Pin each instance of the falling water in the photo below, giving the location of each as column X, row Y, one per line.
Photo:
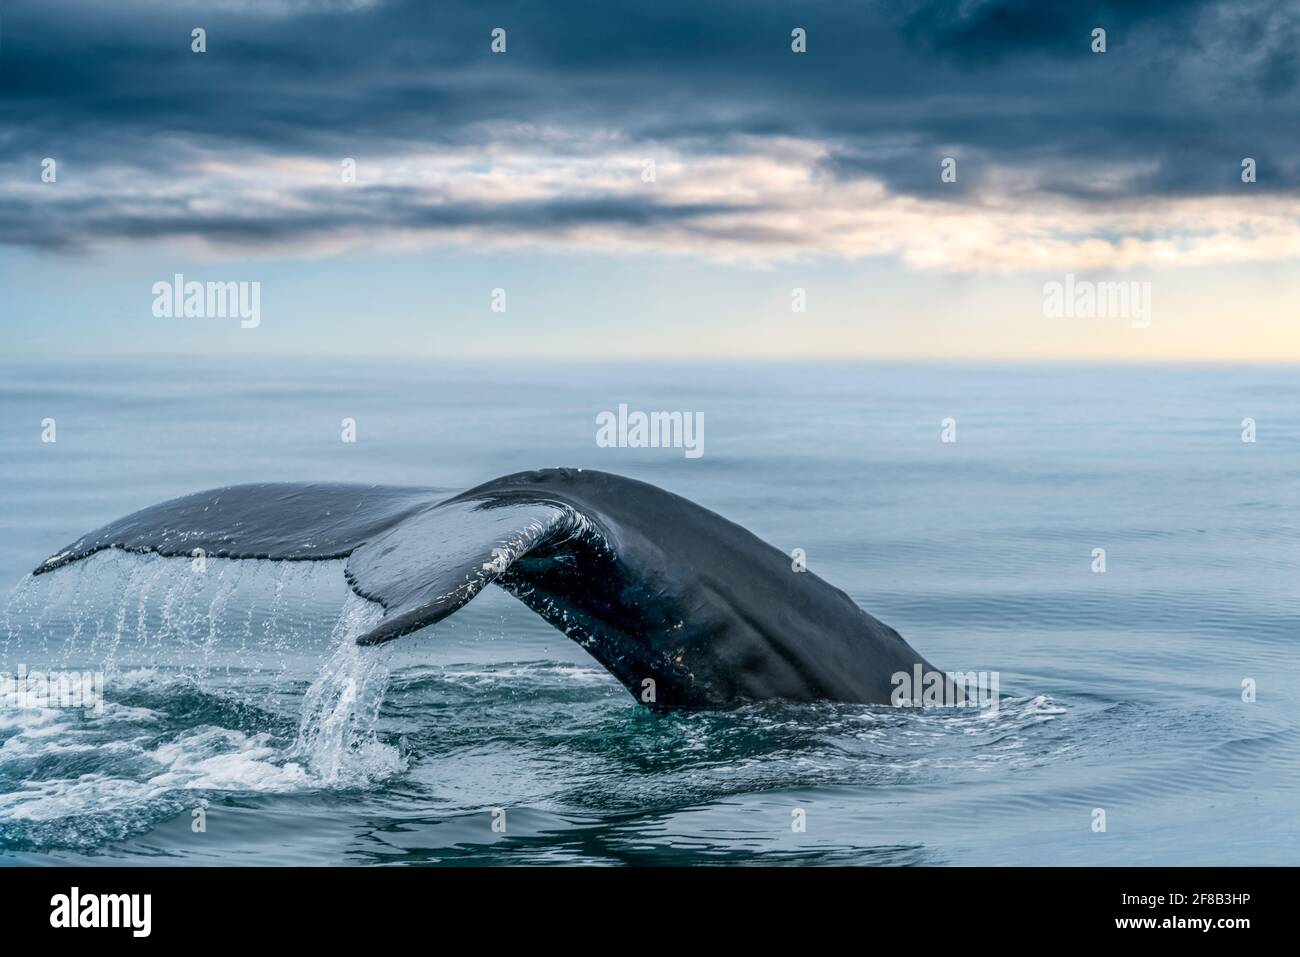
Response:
column 204, row 671
column 336, row 739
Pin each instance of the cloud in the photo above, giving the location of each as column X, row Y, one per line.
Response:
column 1063, row 155
column 759, row 201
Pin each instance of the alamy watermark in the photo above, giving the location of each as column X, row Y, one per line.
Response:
column 651, row 430
column 1085, row 299
column 945, row 689
column 75, row 909
column 179, row 299
column 52, row 689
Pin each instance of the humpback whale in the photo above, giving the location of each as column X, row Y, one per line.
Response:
column 685, row 608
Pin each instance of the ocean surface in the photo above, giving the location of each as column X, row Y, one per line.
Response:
column 241, row 725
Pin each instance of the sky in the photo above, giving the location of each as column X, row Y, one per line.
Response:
column 653, row 180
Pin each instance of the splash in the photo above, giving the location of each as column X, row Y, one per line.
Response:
column 337, row 738
column 203, row 694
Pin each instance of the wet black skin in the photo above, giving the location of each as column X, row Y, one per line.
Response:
column 685, row 608
column 701, row 606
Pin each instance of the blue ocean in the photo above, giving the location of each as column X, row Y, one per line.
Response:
column 1149, row 706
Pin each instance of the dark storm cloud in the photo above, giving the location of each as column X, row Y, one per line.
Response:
column 1185, row 90
column 83, row 222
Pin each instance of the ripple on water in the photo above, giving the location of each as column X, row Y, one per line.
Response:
column 211, row 701
column 165, row 740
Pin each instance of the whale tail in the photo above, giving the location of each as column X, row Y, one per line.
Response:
column 419, row 557
column 674, row 600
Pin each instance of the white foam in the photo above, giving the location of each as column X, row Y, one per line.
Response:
column 218, row 759
column 335, row 746
column 51, row 800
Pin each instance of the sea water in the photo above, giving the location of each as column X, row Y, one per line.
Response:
column 1148, row 714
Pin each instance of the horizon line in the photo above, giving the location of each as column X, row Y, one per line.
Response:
column 17, row 359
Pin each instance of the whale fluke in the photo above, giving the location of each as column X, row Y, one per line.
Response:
column 685, row 608
column 286, row 521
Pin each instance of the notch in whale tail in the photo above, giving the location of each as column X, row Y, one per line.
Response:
column 420, row 557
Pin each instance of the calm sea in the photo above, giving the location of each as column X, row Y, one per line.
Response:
column 241, row 725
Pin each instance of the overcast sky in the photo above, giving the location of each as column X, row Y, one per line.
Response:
column 528, row 171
